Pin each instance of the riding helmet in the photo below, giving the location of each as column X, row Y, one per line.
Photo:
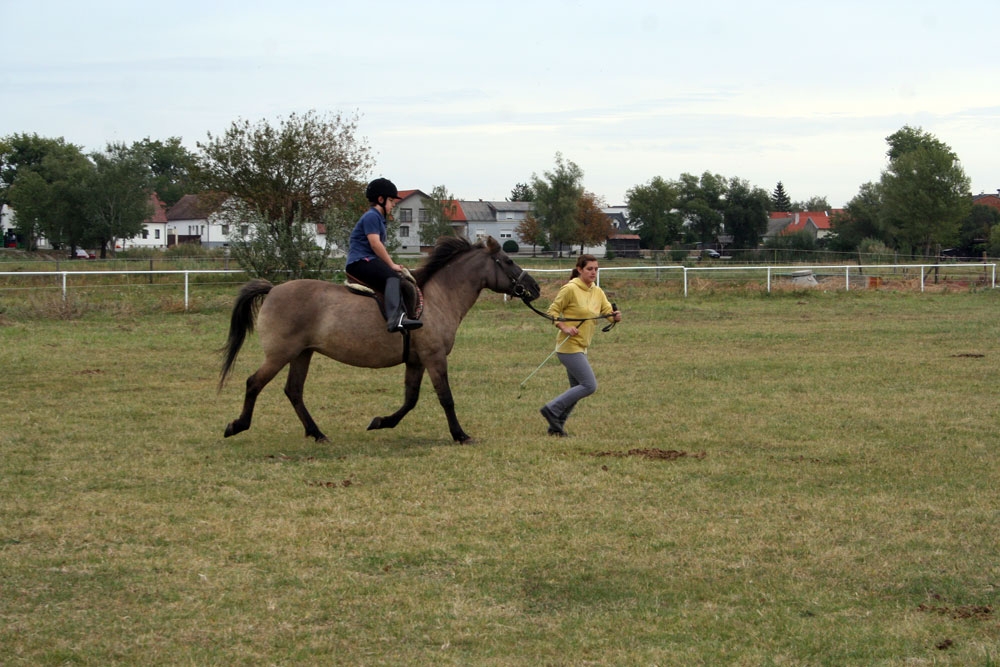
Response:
column 381, row 187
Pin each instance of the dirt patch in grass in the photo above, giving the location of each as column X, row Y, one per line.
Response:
column 651, row 454
column 976, row 611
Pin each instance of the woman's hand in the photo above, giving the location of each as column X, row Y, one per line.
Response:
column 568, row 329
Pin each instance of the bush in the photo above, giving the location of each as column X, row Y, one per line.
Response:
column 510, row 246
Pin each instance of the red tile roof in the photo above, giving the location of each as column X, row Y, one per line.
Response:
column 159, row 209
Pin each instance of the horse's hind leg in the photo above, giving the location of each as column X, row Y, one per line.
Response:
column 414, row 376
column 255, row 384
column 297, row 372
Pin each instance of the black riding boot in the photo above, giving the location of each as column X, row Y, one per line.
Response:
column 395, row 313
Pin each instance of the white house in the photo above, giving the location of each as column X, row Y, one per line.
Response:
column 154, row 230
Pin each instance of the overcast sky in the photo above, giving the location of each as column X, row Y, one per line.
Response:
column 480, row 96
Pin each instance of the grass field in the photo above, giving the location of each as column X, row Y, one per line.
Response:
column 804, row 478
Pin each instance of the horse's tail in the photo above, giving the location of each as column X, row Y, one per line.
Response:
column 242, row 322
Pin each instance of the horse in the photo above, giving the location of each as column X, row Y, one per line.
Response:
column 300, row 317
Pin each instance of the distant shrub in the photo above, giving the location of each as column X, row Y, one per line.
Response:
column 510, row 246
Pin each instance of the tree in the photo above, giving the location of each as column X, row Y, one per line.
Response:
column 700, row 202
column 171, row 168
column 44, row 181
column 816, row 203
column 594, row 227
column 925, row 192
column 976, row 230
column 859, row 220
column 440, row 208
column 521, row 192
column 531, row 232
column 340, row 220
column 296, row 170
column 117, row 195
column 746, row 213
column 652, row 212
column 779, row 199
column 557, row 197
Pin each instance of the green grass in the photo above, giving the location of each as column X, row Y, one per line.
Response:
column 837, row 504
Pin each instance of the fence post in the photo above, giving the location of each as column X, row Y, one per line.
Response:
column 769, row 280
column 64, row 285
column 685, row 281
column 847, row 279
column 186, row 291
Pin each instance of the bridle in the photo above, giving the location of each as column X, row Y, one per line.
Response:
column 516, row 287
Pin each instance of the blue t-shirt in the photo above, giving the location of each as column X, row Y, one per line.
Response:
column 358, row 247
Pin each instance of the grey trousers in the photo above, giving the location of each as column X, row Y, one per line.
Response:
column 582, row 383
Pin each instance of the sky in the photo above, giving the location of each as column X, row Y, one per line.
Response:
column 479, row 97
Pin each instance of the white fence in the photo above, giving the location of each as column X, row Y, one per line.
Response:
column 986, row 272
column 770, row 273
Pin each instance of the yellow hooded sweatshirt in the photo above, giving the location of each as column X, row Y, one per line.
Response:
column 576, row 300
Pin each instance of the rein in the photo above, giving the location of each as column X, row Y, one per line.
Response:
column 579, row 320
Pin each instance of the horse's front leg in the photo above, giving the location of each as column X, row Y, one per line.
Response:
column 439, row 376
column 414, row 376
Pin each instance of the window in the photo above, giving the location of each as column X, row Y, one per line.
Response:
column 404, row 232
column 506, row 235
column 145, row 234
column 405, row 214
column 156, row 234
column 225, row 230
column 422, row 215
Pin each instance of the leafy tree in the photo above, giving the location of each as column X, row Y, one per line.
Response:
column 440, row 207
column 531, row 232
column 296, row 170
column 521, row 192
column 746, row 213
column 859, row 220
column 273, row 252
column 557, row 197
column 925, row 192
column 340, row 221
column 817, row 203
column 117, row 196
column 44, row 181
column 701, row 203
column 976, row 229
column 779, row 199
column 171, row 168
column 593, row 226
column 652, row 212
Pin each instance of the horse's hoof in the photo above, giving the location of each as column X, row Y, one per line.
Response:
column 229, row 431
column 322, row 438
column 466, row 440
column 375, row 424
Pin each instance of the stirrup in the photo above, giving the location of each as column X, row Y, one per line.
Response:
column 404, row 324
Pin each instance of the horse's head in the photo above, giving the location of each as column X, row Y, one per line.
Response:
column 511, row 279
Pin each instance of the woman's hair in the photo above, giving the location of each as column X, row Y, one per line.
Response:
column 582, row 261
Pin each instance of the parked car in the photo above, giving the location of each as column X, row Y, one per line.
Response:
column 82, row 254
column 714, row 254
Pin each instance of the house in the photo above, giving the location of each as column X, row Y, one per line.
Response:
column 816, row 223
column 154, row 229
column 987, row 200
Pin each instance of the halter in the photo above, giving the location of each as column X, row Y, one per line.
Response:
column 516, row 288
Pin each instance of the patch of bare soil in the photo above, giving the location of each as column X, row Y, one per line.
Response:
column 976, row 611
column 651, row 454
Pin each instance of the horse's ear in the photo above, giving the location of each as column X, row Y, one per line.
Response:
column 492, row 244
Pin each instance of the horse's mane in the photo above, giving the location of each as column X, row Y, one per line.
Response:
column 445, row 251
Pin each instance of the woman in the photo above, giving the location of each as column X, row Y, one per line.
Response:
column 368, row 259
column 577, row 303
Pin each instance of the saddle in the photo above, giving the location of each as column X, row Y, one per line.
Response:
column 413, row 297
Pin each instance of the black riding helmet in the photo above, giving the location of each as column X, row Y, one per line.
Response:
column 381, row 187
